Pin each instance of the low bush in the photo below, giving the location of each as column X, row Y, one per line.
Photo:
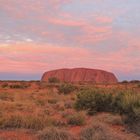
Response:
column 125, row 103
column 4, row 85
column 66, row 88
column 128, row 104
column 53, row 80
column 110, row 118
column 69, row 104
column 40, row 102
column 97, row 132
column 21, row 86
column 138, row 85
column 94, row 101
column 52, row 101
column 76, row 119
column 135, row 81
column 54, row 134
column 125, row 82
column 6, row 97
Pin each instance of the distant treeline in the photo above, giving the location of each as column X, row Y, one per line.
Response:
column 19, row 81
column 132, row 81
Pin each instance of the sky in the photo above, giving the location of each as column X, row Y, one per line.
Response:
column 42, row 35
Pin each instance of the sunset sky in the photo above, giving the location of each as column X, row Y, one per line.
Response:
column 41, row 35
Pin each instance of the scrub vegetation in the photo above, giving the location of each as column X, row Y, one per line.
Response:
column 62, row 111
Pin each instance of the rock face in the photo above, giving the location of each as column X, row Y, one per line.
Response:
column 80, row 75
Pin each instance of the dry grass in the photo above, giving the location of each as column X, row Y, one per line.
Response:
column 23, row 121
column 40, row 105
column 112, row 119
column 101, row 131
column 76, row 119
column 95, row 132
column 55, row 134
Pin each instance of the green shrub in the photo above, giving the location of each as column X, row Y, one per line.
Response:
column 66, row 88
column 54, row 134
column 125, row 103
column 76, row 119
column 128, row 103
column 94, row 101
column 52, row 101
column 53, row 80
column 125, row 82
column 21, row 86
column 130, row 107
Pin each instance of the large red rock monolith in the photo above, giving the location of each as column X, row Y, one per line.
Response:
column 76, row 75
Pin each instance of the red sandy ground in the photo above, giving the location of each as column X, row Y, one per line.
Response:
column 16, row 135
column 28, row 135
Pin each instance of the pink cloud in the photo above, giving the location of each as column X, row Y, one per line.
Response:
column 26, row 58
column 104, row 19
column 90, row 32
column 46, row 21
column 51, row 14
column 93, row 34
column 33, row 58
column 21, row 9
column 64, row 22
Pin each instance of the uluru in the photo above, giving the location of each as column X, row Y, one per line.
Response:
column 76, row 75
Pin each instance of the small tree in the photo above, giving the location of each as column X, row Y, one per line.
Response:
column 53, row 80
column 4, row 85
column 66, row 88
